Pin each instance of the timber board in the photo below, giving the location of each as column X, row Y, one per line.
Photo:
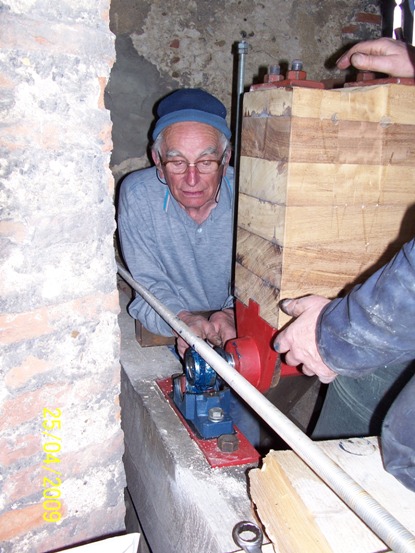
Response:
column 383, row 104
column 286, row 481
column 331, row 141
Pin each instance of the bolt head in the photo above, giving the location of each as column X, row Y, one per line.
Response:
column 216, row 414
column 228, row 443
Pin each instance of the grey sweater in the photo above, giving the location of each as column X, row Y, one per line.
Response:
column 185, row 265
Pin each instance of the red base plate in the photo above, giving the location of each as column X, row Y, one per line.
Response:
column 245, row 455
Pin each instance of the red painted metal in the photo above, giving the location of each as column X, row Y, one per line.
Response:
column 368, row 79
column 284, row 83
column 294, row 77
column 253, row 353
column 245, row 455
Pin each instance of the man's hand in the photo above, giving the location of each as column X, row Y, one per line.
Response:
column 224, row 325
column 383, row 55
column 298, row 340
column 217, row 330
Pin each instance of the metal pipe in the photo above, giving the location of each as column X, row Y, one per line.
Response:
column 383, row 524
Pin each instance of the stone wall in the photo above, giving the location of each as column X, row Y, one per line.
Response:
column 61, row 445
column 162, row 46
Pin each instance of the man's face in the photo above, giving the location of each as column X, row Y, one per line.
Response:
column 192, row 142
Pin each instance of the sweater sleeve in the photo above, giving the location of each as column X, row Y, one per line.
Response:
column 136, row 235
column 374, row 325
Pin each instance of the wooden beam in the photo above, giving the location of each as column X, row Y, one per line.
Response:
column 293, row 503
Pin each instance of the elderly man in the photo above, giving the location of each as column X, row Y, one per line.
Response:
column 175, row 219
column 176, row 223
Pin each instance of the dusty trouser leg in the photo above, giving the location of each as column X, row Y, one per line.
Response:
column 398, row 437
column 357, row 406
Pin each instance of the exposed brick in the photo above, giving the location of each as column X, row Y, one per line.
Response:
column 19, row 447
column 106, row 139
column 24, row 483
column 350, row 29
column 20, row 521
column 24, row 326
column 27, row 326
column 28, row 406
column 31, row 366
column 371, row 18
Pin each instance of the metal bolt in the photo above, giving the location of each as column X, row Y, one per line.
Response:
column 228, row 443
column 297, row 65
column 274, row 69
column 216, row 414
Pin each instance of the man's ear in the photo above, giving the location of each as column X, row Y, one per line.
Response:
column 227, row 159
column 156, row 158
column 157, row 163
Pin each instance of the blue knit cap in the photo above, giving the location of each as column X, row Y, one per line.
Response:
column 191, row 104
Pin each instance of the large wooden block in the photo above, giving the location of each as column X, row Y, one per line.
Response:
column 326, row 190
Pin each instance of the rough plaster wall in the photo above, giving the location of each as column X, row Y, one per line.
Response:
column 166, row 45
column 58, row 328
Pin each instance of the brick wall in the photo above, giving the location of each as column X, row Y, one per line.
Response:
column 61, row 444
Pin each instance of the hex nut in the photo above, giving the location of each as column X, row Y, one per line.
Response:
column 228, row 443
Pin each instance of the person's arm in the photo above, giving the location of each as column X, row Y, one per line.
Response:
column 136, row 232
column 383, row 55
column 371, row 327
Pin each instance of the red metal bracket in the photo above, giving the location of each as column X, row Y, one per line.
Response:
column 253, row 352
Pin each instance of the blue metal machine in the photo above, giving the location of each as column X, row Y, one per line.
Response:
column 202, row 397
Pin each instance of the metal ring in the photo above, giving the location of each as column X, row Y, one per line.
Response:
column 253, row 544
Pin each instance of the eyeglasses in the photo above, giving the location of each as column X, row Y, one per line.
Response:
column 203, row 166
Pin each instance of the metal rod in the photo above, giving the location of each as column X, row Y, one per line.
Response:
column 242, row 51
column 383, row 524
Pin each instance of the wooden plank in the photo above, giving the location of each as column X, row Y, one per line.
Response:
column 250, row 286
column 266, row 137
column 282, row 508
column 261, row 217
column 355, row 142
column 309, row 140
column 261, row 257
column 383, row 104
column 262, row 103
column 343, row 530
column 373, row 227
column 347, row 184
column 266, row 180
column 148, row 339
